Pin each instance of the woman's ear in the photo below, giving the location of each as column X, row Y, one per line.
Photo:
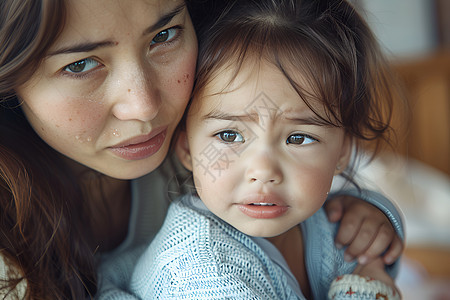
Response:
column 346, row 153
column 182, row 150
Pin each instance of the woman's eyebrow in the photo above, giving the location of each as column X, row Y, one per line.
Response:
column 90, row 46
column 82, row 47
column 165, row 19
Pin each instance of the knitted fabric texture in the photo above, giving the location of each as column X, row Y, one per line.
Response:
column 198, row 256
column 352, row 286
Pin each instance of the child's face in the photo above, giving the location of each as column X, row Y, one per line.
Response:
column 259, row 160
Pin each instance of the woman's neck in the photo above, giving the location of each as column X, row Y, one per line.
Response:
column 290, row 244
column 106, row 203
column 110, row 212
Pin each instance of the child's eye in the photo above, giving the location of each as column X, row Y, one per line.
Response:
column 164, row 36
column 81, row 66
column 230, row 136
column 300, row 139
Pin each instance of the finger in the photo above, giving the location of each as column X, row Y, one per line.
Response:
column 334, row 209
column 375, row 270
column 348, row 229
column 394, row 251
column 380, row 243
column 363, row 239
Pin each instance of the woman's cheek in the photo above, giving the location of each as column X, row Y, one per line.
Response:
column 184, row 68
column 73, row 122
column 180, row 88
column 183, row 81
column 86, row 123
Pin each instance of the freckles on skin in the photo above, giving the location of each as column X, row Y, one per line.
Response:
column 185, row 79
column 186, row 83
column 79, row 118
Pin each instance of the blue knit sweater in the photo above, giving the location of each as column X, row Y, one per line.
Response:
column 198, row 256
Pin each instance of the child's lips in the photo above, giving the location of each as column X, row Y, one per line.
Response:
column 266, row 199
column 263, row 206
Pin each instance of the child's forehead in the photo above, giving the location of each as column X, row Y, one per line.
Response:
column 258, row 73
column 257, row 86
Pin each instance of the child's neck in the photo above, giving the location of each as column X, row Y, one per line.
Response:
column 290, row 244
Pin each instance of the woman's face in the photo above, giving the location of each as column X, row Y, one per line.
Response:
column 115, row 84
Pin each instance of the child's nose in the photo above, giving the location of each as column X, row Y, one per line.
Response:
column 265, row 168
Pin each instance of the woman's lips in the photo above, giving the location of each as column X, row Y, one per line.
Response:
column 140, row 147
column 263, row 206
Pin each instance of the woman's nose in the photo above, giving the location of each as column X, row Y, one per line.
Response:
column 137, row 96
column 264, row 168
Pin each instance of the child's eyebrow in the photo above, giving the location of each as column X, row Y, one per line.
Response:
column 312, row 120
column 254, row 117
column 219, row 115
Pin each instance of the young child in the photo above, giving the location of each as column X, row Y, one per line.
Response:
column 285, row 90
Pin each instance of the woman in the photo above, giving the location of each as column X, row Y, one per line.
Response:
column 91, row 93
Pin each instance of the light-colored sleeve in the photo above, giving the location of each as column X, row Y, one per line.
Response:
column 211, row 287
column 5, row 274
column 351, row 286
column 114, row 274
column 162, row 277
column 110, row 291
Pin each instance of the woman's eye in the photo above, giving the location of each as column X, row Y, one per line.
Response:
column 81, row 66
column 230, row 136
column 300, row 139
column 164, row 36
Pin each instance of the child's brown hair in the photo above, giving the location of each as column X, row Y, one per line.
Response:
column 326, row 42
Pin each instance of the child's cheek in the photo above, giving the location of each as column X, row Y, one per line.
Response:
column 314, row 182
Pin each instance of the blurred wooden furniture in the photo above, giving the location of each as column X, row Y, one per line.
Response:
column 435, row 260
column 427, row 89
column 426, row 83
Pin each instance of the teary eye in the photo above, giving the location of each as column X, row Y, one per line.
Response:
column 164, row 36
column 230, row 136
column 81, row 66
column 300, row 139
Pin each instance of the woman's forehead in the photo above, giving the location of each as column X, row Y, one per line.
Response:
column 103, row 19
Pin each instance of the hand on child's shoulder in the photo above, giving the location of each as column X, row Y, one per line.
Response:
column 364, row 230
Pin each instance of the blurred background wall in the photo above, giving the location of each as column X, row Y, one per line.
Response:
column 415, row 35
column 406, row 28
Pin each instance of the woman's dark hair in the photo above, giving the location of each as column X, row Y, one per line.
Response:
column 41, row 223
column 326, row 42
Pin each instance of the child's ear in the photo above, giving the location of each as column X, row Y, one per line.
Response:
column 346, row 153
column 182, row 150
